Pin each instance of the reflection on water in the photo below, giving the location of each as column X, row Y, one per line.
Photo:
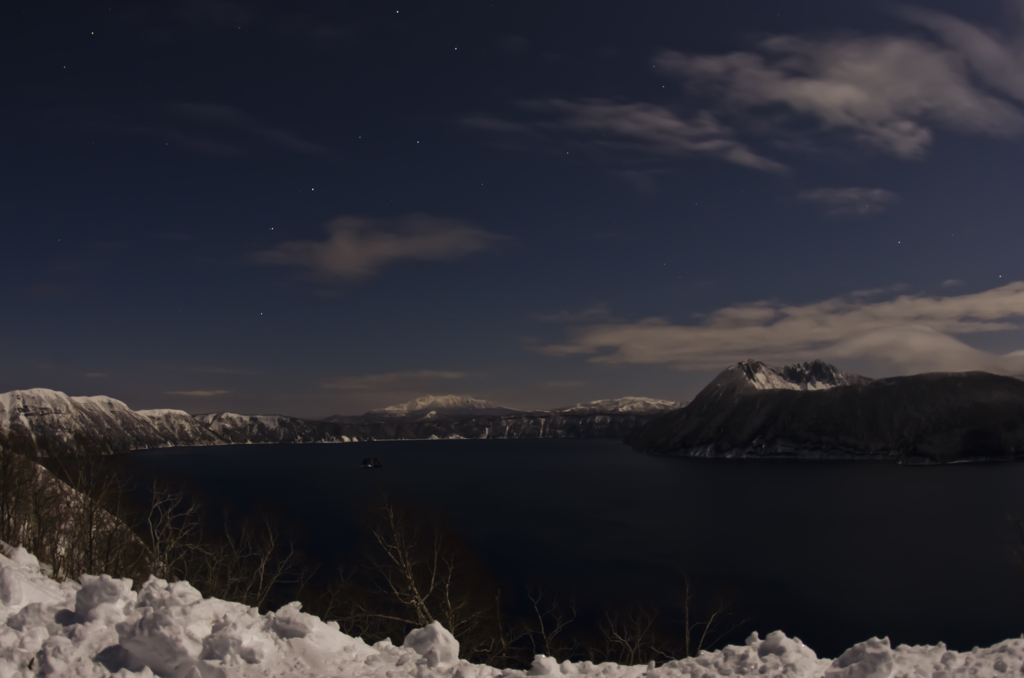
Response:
column 832, row 552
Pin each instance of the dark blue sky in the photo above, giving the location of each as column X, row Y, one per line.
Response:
column 321, row 207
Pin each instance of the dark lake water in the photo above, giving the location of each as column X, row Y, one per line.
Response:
column 831, row 552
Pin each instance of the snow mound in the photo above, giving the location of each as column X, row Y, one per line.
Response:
column 100, row 627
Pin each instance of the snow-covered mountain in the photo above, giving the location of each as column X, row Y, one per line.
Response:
column 51, row 422
column 815, row 410
column 274, row 428
column 439, row 407
column 812, row 376
column 627, row 405
column 45, row 422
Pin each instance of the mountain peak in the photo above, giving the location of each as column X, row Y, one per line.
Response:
column 440, row 406
column 816, row 375
column 625, row 405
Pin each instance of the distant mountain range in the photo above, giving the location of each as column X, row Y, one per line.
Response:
column 815, row 410
column 433, row 408
column 45, row 422
column 751, row 409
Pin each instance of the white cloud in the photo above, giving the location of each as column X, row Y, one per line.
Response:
column 908, row 333
column 851, row 200
column 633, row 131
column 393, row 380
column 890, row 92
column 952, row 282
column 357, row 247
column 997, row 59
column 649, row 130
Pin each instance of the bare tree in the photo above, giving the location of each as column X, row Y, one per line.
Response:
column 548, row 624
column 418, row 567
column 245, row 565
column 421, row 574
column 629, row 635
column 173, row 529
column 717, row 620
column 70, row 522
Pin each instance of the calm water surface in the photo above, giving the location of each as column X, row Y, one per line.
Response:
column 831, row 552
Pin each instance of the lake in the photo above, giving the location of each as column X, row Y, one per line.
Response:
column 831, row 552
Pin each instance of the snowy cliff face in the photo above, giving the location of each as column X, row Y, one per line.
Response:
column 50, row 422
column 461, row 417
column 40, row 421
column 274, row 428
column 100, row 627
column 438, row 407
column 815, row 410
column 615, row 426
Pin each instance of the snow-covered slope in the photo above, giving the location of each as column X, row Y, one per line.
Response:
column 627, row 405
column 100, row 627
column 50, row 421
column 812, row 376
column 438, row 407
column 273, row 428
column 815, row 410
column 41, row 421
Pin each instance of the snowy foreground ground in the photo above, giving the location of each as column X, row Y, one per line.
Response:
column 100, row 627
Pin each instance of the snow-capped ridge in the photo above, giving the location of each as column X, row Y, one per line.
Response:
column 816, row 411
column 440, row 406
column 810, row 376
column 625, row 405
column 98, row 424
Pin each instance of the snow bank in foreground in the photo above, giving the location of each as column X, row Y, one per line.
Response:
column 100, row 627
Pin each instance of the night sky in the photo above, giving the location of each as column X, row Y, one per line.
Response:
column 318, row 208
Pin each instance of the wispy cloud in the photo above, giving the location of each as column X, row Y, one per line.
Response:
column 598, row 313
column 391, row 381
column 222, row 370
column 631, row 131
column 649, row 129
column 851, row 201
column 889, row 92
column 558, row 384
column 996, row 56
column 876, row 291
column 911, row 333
column 205, row 128
column 357, row 247
column 198, row 394
column 952, row 282
column 228, row 118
